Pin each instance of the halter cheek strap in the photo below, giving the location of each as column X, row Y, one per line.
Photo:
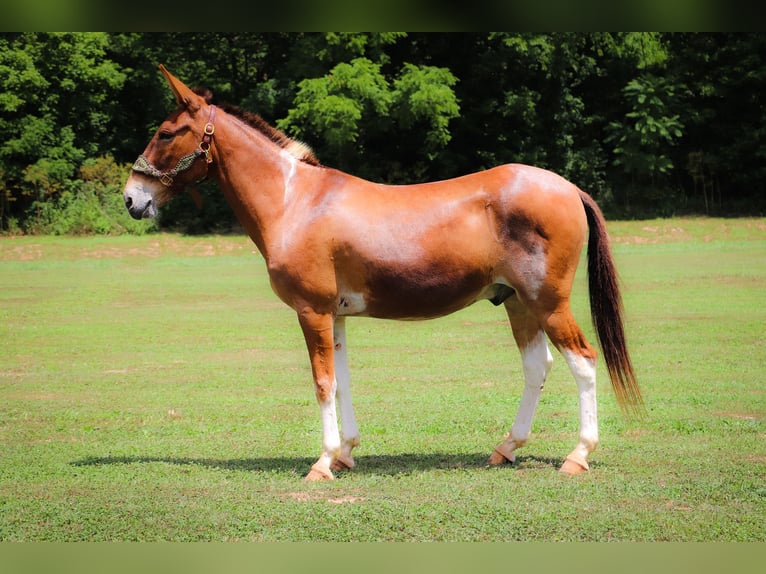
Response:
column 143, row 165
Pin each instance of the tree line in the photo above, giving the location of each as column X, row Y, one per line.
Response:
column 650, row 124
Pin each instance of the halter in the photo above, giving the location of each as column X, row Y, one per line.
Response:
column 143, row 165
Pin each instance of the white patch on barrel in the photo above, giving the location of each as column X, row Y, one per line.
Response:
column 350, row 303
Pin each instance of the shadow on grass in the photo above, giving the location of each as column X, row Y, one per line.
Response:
column 400, row 464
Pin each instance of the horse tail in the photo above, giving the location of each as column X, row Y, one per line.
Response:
column 606, row 311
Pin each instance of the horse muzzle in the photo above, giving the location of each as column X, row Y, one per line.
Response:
column 138, row 200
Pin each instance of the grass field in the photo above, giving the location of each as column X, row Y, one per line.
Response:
column 154, row 388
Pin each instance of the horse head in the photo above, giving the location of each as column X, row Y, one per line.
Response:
column 178, row 154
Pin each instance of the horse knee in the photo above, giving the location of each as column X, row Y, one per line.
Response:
column 325, row 390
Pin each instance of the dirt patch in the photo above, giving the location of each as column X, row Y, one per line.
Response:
column 160, row 245
column 37, row 396
column 312, row 496
column 672, row 505
column 345, row 500
column 681, row 230
column 741, row 416
column 23, row 252
column 12, row 374
column 74, row 248
column 654, row 234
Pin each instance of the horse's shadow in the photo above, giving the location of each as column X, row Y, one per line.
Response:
column 391, row 465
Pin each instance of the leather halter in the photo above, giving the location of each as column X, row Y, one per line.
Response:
column 143, row 165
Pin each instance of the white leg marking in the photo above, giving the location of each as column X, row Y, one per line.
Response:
column 349, row 428
column 584, row 371
column 330, row 434
column 537, row 361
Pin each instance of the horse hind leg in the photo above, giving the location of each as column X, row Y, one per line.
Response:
column 536, row 361
column 567, row 336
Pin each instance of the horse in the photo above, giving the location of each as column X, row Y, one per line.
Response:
column 339, row 246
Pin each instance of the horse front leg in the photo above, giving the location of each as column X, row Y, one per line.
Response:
column 318, row 332
column 348, row 427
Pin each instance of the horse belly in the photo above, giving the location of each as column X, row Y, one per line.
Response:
column 413, row 294
column 406, row 267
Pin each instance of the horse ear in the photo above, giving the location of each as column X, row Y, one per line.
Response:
column 184, row 96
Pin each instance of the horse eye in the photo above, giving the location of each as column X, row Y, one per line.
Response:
column 166, row 136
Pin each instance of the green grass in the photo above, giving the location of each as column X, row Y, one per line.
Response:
column 155, row 389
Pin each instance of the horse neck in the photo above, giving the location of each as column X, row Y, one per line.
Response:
column 251, row 172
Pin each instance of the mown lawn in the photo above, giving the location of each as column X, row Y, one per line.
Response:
column 154, row 388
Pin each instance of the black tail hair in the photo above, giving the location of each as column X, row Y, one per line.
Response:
column 606, row 311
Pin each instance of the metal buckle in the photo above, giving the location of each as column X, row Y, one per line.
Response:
column 166, row 180
column 204, row 146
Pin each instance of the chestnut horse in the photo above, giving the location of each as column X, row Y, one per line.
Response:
column 338, row 246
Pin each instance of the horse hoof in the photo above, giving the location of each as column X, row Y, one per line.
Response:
column 317, row 473
column 342, row 463
column 572, row 467
column 497, row 457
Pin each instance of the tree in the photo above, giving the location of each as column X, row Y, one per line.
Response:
column 330, row 109
column 723, row 151
column 643, row 138
column 355, row 108
column 55, row 109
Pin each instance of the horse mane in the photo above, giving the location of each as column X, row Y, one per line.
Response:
column 294, row 147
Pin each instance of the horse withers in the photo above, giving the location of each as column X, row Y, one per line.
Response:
column 338, row 246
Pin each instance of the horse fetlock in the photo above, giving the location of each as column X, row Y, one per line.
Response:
column 343, row 462
column 350, row 443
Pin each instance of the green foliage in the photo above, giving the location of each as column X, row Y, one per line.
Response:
column 55, row 112
column 91, row 205
column 332, row 107
column 347, row 110
column 647, row 129
column 22, row 82
column 643, row 140
column 424, row 95
column 723, row 77
column 646, row 48
column 341, row 46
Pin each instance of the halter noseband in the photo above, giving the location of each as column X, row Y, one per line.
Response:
column 143, row 165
